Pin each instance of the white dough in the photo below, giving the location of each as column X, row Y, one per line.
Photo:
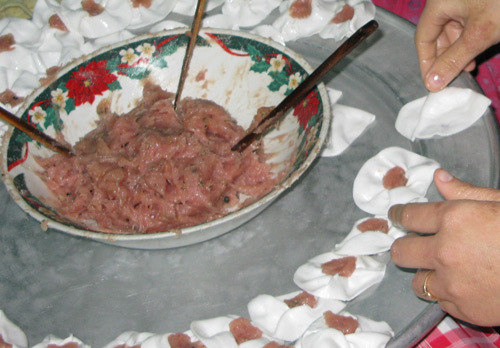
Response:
column 53, row 340
column 249, row 12
column 347, row 125
column 309, row 277
column 368, row 242
column 364, row 11
column 275, row 318
column 442, row 113
column 370, row 334
column 371, row 196
column 11, row 333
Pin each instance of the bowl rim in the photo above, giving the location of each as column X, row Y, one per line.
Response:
column 180, row 232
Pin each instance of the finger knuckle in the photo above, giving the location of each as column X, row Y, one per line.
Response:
column 456, row 291
column 477, row 37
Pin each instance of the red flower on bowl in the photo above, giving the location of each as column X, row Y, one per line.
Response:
column 307, row 108
column 89, row 81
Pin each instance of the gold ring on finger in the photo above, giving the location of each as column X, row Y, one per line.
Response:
column 425, row 288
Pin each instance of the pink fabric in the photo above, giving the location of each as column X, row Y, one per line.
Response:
column 453, row 334
column 487, row 74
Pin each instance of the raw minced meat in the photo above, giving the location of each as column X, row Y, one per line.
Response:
column 154, row 169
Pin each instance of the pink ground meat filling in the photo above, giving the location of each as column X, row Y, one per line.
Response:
column 342, row 323
column 374, row 224
column 155, row 169
column 243, row 330
column 344, row 266
column 304, row 298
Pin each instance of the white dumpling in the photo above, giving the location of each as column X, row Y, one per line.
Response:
column 310, row 277
column 52, row 340
column 442, row 113
column 364, row 11
column 129, row 339
column 278, row 320
column 347, row 125
column 249, row 12
column 215, row 333
column 306, row 23
column 370, row 333
column 11, row 334
column 369, row 192
column 143, row 16
column 116, row 16
column 369, row 241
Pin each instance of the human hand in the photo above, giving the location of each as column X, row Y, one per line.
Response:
column 450, row 34
column 460, row 242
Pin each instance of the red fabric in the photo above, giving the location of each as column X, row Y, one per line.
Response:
column 488, row 72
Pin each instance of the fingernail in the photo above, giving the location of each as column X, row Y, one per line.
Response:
column 395, row 214
column 434, row 82
column 444, row 176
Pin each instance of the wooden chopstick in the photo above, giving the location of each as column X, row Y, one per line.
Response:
column 306, row 86
column 195, row 28
column 34, row 133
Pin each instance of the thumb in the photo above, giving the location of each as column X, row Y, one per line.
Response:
column 454, row 189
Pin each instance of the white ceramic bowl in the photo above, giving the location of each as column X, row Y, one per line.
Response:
column 243, row 72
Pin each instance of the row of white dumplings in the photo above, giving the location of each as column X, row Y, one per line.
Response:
column 40, row 45
column 305, row 324
column 369, row 238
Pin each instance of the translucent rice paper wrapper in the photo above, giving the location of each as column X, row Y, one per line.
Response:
column 188, row 7
column 369, row 192
column 347, row 125
column 273, row 316
column 117, row 15
column 11, row 334
column 144, row 340
column 295, row 28
column 143, row 17
column 52, row 340
column 215, row 333
column 442, row 113
column 249, row 12
column 364, row 11
column 309, row 277
column 370, row 334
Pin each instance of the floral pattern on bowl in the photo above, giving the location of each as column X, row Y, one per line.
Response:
column 239, row 71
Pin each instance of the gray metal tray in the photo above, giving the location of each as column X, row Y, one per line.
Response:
column 52, row 283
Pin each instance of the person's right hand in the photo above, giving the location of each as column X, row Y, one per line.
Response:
column 456, row 249
column 451, row 34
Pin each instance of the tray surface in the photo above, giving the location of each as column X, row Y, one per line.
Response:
column 52, row 283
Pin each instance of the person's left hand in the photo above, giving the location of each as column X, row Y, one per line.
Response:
column 459, row 243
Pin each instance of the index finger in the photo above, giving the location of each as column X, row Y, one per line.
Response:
column 429, row 28
column 417, row 217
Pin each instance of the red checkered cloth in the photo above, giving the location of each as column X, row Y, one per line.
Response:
column 453, row 334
